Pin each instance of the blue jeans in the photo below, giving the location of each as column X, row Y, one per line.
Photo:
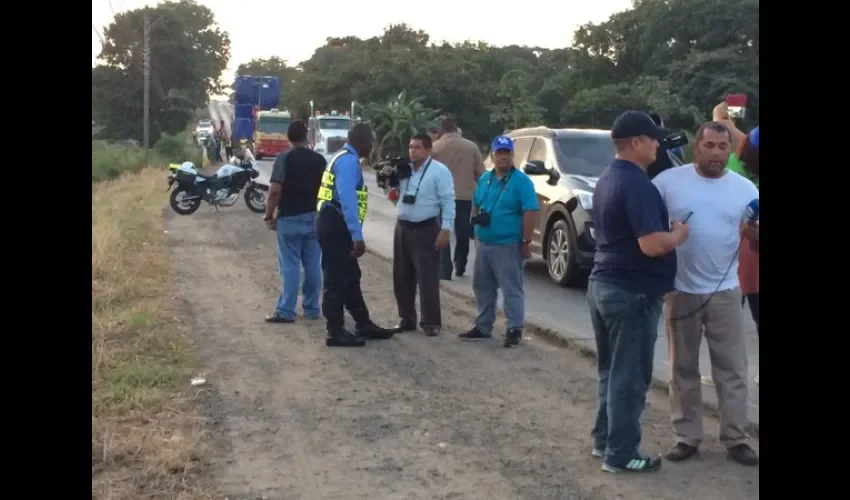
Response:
column 499, row 267
column 297, row 246
column 626, row 327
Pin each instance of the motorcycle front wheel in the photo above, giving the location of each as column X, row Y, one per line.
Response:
column 255, row 198
column 181, row 206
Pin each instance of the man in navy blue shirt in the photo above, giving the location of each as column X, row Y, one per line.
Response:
column 342, row 204
column 634, row 267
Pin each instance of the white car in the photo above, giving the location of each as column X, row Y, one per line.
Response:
column 204, row 130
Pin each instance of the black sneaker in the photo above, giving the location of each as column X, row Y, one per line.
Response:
column 277, row 318
column 681, row 451
column 512, row 337
column 637, row 464
column 474, row 334
column 371, row 331
column 743, row 454
column 460, row 271
column 342, row 338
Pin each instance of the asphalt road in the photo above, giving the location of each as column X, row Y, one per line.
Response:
column 548, row 305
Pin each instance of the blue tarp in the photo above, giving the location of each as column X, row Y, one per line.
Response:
column 243, row 111
column 250, row 89
column 243, row 128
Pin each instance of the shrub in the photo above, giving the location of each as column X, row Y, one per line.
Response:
column 171, row 147
column 109, row 160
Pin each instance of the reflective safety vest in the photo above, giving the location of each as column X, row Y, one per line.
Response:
column 326, row 189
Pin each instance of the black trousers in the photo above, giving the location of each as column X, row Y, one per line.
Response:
column 340, row 272
column 753, row 301
column 463, row 230
column 416, row 263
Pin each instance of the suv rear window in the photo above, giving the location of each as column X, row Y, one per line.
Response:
column 584, row 154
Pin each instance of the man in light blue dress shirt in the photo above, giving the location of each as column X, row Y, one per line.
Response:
column 426, row 214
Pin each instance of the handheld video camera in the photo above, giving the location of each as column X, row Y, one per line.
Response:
column 674, row 140
column 400, row 170
column 665, row 158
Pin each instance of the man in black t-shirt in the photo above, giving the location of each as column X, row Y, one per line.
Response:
column 295, row 180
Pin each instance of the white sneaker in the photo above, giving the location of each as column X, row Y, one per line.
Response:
column 707, row 380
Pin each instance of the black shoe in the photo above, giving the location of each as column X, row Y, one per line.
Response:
column 474, row 334
column 743, row 454
column 512, row 337
column 431, row 331
column 446, row 277
column 277, row 318
column 405, row 326
column 681, row 452
column 342, row 338
column 637, row 464
column 371, row 331
column 460, row 271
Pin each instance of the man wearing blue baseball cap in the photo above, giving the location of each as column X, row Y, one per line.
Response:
column 633, row 268
column 504, row 215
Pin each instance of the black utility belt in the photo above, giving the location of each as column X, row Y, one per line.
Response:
column 433, row 221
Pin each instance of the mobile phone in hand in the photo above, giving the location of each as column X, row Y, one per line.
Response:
column 737, row 105
column 685, row 219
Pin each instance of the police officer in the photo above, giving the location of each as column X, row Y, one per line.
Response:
column 343, row 200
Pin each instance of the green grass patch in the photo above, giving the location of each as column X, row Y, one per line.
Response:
column 145, row 430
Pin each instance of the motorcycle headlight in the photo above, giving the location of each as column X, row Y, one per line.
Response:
column 585, row 198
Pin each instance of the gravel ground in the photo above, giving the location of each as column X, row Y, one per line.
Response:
column 407, row 418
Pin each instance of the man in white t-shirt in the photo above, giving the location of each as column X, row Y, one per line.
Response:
column 706, row 296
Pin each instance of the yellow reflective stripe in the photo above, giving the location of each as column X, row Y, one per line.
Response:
column 329, row 182
column 362, row 203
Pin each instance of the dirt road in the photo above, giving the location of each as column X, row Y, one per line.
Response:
column 407, row 418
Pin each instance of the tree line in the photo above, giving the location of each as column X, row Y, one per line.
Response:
column 674, row 57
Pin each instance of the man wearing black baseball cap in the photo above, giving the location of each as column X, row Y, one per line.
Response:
column 634, row 266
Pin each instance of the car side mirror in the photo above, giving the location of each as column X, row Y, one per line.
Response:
column 535, row 167
column 554, row 176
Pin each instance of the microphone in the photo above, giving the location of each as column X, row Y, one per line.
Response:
column 752, row 213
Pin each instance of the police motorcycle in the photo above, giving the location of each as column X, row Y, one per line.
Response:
column 220, row 189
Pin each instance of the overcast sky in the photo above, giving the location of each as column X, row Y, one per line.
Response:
column 291, row 31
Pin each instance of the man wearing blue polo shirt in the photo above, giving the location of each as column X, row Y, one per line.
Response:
column 634, row 267
column 504, row 213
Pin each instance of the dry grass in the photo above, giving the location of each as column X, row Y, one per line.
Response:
column 147, row 440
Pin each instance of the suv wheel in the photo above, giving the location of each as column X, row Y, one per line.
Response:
column 560, row 254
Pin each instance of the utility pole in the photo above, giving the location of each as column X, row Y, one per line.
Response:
column 146, row 55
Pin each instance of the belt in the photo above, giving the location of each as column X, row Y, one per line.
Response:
column 425, row 223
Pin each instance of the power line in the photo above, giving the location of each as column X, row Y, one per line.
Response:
column 96, row 32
